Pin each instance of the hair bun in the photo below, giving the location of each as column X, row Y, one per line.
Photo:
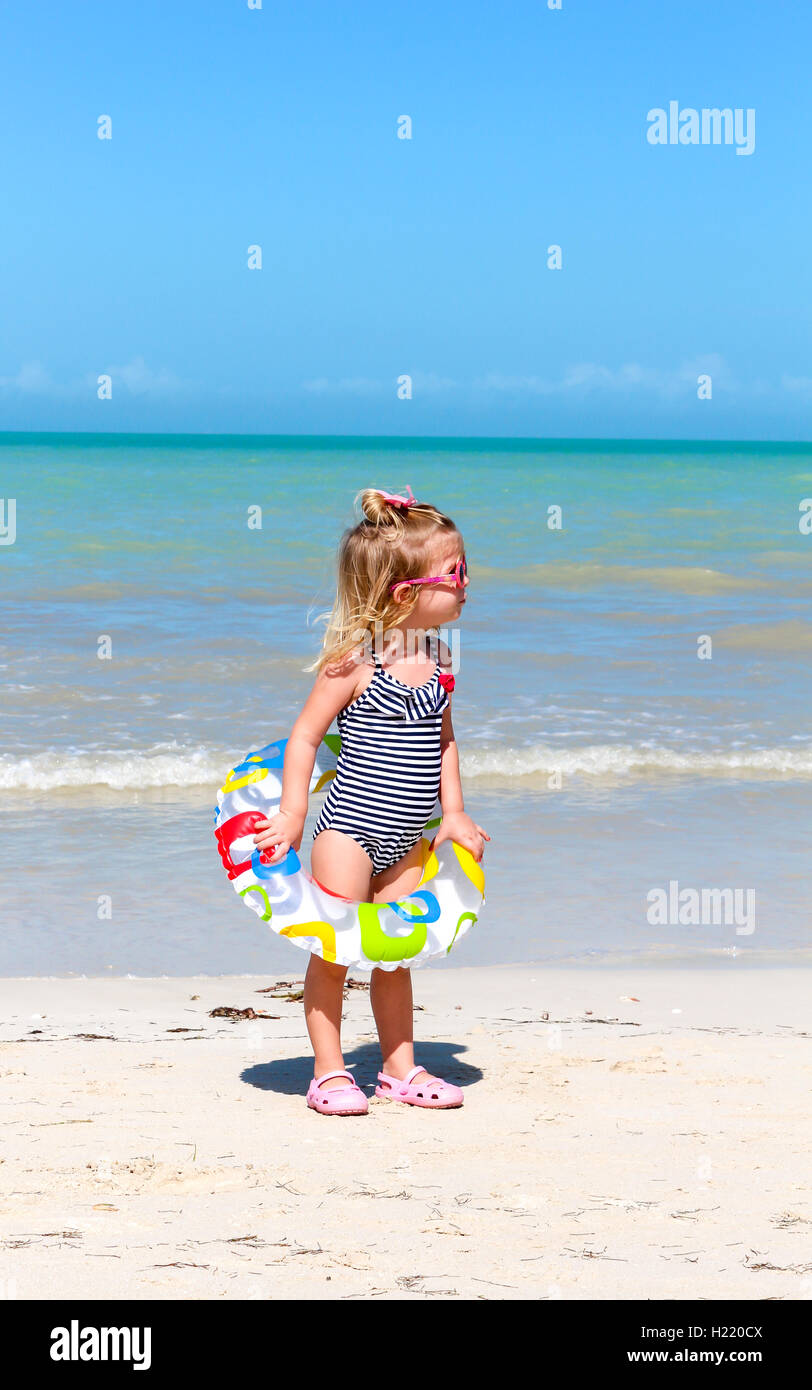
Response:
column 383, row 508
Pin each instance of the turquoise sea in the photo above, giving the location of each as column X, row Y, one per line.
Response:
column 632, row 704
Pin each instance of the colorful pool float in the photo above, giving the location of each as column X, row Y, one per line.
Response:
column 386, row 935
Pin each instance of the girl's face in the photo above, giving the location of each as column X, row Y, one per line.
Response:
column 439, row 604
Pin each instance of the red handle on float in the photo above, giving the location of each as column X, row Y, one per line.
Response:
column 235, row 829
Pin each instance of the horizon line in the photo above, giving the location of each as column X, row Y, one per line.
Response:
column 525, row 441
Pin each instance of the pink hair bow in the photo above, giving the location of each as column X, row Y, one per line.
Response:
column 395, row 497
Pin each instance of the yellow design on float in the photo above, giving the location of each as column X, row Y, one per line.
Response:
column 430, row 866
column 322, row 930
column 469, row 866
column 229, row 786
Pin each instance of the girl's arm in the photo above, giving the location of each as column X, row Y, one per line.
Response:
column 334, row 687
column 456, row 824
column 450, row 784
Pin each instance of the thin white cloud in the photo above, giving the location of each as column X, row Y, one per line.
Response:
column 578, row 380
column 347, row 386
column 429, row 383
column 139, row 379
column 802, row 385
column 136, row 378
column 575, row 382
column 31, row 379
column 424, row 383
column 585, row 377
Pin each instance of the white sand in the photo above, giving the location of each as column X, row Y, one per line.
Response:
column 659, row 1151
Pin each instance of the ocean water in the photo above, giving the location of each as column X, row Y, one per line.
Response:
column 602, row 753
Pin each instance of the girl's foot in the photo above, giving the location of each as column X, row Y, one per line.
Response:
column 332, row 1083
column 347, row 1098
column 417, row 1087
column 421, row 1077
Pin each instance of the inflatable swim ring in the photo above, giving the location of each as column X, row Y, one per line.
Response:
column 386, row 936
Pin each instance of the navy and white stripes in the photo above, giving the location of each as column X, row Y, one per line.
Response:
column 388, row 774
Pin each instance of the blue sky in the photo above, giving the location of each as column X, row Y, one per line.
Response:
column 277, row 127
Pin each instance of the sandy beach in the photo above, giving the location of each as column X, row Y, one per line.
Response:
column 625, row 1134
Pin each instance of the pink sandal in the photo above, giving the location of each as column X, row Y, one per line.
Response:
column 340, row 1100
column 435, row 1095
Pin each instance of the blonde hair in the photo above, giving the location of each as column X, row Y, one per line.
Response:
column 389, row 543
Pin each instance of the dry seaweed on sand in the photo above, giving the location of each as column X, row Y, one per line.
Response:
column 290, row 990
column 292, row 993
column 226, row 1012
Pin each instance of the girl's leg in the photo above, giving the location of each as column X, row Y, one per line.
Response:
column 324, row 983
column 340, row 863
column 391, row 990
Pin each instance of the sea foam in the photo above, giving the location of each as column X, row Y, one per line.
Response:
column 173, row 765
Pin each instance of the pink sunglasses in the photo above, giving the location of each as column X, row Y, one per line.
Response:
column 456, row 576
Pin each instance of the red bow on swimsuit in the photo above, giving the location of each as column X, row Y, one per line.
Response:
column 447, row 682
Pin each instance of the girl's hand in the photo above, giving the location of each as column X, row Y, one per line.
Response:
column 278, row 835
column 457, row 825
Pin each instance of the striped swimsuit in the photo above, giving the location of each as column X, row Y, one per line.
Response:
column 388, row 774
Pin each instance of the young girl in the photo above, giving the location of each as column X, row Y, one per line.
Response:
column 401, row 571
